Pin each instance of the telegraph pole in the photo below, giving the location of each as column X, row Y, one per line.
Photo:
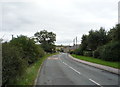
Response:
column 12, row 36
column 73, row 42
column 76, row 42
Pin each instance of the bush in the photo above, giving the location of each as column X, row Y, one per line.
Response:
column 96, row 53
column 77, row 52
column 111, row 52
column 31, row 52
column 87, row 53
column 12, row 64
column 38, row 51
column 71, row 52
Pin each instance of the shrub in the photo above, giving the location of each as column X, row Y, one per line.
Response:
column 96, row 53
column 31, row 51
column 87, row 53
column 12, row 64
column 71, row 52
column 111, row 52
column 77, row 52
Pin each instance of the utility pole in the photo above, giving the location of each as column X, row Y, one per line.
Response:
column 76, row 42
column 12, row 36
column 73, row 42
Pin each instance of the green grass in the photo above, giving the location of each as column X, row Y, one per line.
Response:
column 29, row 77
column 98, row 61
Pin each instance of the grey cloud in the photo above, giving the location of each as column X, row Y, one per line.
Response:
column 68, row 18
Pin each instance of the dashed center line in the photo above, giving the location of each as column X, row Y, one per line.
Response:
column 95, row 82
column 79, row 72
column 70, row 67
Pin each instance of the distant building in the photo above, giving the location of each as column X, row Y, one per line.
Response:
column 119, row 12
column 67, row 48
column 59, row 47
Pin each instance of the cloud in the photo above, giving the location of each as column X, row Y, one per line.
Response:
column 66, row 18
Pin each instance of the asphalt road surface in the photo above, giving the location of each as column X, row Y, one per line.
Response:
column 62, row 70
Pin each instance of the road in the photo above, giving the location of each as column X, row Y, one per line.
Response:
column 62, row 70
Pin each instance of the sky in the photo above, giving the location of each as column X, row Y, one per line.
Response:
column 67, row 18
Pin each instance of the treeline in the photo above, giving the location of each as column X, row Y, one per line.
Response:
column 21, row 52
column 101, row 44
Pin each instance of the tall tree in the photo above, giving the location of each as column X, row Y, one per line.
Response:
column 102, row 36
column 114, row 33
column 97, row 38
column 46, row 39
column 84, row 42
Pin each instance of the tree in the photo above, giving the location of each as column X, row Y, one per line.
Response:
column 46, row 39
column 114, row 33
column 97, row 38
column 92, row 40
column 102, row 37
column 117, row 33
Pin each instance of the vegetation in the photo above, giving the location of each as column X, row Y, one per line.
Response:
column 111, row 52
column 13, row 64
column 101, row 44
column 46, row 39
column 98, row 61
column 30, row 51
column 29, row 77
column 21, row 54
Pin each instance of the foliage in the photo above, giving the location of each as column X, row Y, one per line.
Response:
column 114, row 33
column 97, row 38
column 17, row 55
column 12, row 64
column 111, row 52
column 84, row 42
column 46, row 39
column 104, row 45
column 71, row 52
column 117, row 33
column 77, row 52
column 31, row 52
column 87, row 53
column 97, row 52
column 29, row 77
column 48, row 47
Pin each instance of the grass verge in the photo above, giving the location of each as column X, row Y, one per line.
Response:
column 31, row 72
column 98, row 61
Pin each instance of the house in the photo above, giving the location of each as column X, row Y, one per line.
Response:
column 66, row 48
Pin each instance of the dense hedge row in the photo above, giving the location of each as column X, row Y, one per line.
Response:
column 18, row 54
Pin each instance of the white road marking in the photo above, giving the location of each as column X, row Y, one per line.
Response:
column 95, row 82
column 75, row 70
column 70, row 67
column 78, row 72
column 65, row 63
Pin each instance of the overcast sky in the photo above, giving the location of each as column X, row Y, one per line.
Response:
column 66, row 18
